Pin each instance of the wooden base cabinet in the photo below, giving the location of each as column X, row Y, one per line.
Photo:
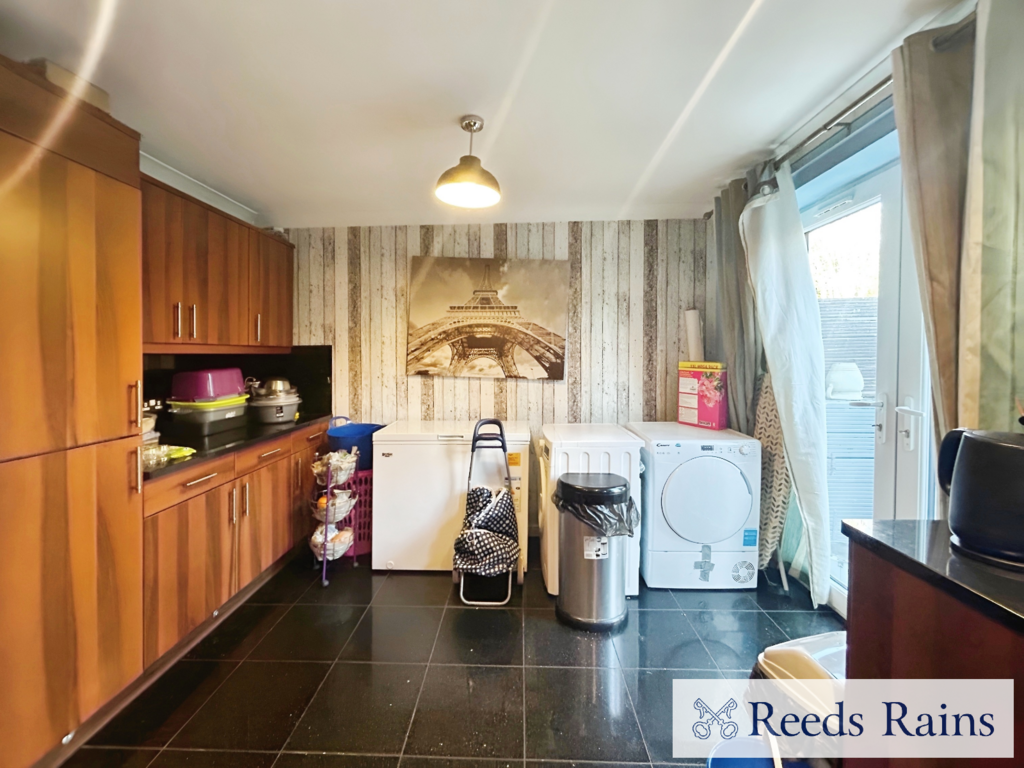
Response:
column 264, row 529
column 71, row 579
column 190, row 566
column 202, row 551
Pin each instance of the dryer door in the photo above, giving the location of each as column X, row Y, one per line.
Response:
column 706, row 500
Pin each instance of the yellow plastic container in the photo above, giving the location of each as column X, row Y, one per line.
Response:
column 206, row 405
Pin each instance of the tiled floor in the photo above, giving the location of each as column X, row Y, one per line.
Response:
column 379, row 669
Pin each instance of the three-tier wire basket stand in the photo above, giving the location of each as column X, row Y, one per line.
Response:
column 351, row 512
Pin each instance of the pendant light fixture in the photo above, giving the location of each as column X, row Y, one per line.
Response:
column 468, row 185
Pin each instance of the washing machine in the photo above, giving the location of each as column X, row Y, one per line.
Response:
column 585, row 448
column 701, row 507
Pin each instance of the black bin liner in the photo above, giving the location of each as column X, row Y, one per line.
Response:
column 599, row 500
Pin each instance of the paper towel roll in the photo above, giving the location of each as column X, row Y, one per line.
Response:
column 694, row 337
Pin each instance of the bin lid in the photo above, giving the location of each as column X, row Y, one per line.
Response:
column 593, row 488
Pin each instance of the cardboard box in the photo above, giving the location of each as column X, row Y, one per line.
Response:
column 703, row 397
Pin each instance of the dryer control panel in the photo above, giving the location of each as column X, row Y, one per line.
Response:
column 733, row 448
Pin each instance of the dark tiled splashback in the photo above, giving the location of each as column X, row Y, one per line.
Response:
column 307, row 368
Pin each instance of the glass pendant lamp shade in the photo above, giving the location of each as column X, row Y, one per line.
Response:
column 468, row 185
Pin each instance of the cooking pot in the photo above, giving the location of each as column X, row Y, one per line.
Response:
column 983, row 473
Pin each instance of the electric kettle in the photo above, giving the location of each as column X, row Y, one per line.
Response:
column 983, row 474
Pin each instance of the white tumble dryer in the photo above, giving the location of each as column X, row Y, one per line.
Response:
column 585, row 448
column 701, row 507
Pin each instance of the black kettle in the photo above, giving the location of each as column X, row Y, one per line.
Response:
column 983, row 474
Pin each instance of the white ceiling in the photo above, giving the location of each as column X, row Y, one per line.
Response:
column 332, row 112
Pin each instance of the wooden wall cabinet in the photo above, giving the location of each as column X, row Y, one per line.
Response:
column 71, row 578
column 70, row 275
column 270, row 291
column 211, row 281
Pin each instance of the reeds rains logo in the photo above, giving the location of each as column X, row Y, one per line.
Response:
column 722, row 718
column 854, row 718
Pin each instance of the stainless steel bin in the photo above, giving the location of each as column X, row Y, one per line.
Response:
column 592, row 563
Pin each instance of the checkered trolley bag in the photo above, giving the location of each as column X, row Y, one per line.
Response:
column 488, row 544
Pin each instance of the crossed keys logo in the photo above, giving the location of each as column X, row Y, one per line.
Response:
column 708, row 717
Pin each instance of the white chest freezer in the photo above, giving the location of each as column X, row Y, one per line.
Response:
column 420, row 473
column 585, row 448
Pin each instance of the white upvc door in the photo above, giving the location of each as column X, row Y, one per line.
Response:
column 876, row 370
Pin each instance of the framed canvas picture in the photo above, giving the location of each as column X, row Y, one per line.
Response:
column 487, row 318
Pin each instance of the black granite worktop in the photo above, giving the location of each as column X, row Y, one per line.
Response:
column 921, row 548
column 254, row 433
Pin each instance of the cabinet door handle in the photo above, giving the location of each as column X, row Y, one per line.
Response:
column 259, row 328
column 311, row 438
column 270, row 453
column 246, row 500
column 137, row 421
column 201, row 479
column 138, row 469
column 177, row 320
column 193, row 322
column 233, row 503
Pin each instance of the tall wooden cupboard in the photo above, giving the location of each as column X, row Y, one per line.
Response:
column 70, row 373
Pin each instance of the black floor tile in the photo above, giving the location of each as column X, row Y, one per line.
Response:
column 239, row 633
column 661, row 639
column 111, row 758
column 394, row 634
column 170, row 758
column 444, row 762
column 653, row 598
column 580, row 714
column 562, row 764
column 550, row 643
column 805, row 623
column 363, row 708
column 415, row 589
column 335, row 761
column 491, row 589
column 288, row 584
column 160, row 711
column 650, row 692
column 309, row 633
column 770, row 596
column 480, row 636
column 256, row 708
column 347, row 584
column 716, row 599
column 535, row 595
column 735, row 638
column 469, row 712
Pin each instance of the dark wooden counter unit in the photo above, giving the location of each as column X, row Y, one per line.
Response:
column 919, row 610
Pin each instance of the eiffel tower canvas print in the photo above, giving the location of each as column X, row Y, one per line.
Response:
column 487, row 317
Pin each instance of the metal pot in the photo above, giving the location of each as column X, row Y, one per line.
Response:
column 983, row 473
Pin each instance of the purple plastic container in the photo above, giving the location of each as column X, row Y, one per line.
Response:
column 212, row 384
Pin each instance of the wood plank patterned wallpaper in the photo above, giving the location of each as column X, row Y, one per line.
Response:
column 630, row 283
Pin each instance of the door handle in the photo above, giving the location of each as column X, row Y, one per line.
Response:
column 270, row 453
column 233, row 503
column 909, row 432
column 177, row 320
column 259, row 317
column 882, row 407
column 245, row 500
column 137, row 421
column 193, row 322
column 311, row 438
column 138, row 469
